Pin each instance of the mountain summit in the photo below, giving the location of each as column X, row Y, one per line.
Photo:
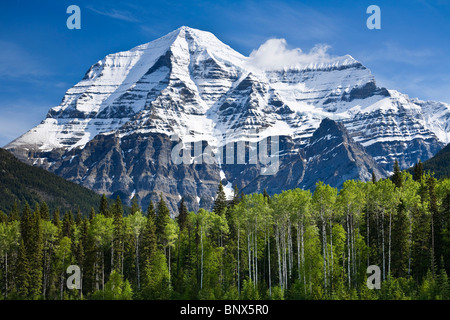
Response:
column 115, row 130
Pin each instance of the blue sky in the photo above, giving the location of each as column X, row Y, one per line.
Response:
column 40, row 58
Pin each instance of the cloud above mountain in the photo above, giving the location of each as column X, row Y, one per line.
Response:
column 275, row 54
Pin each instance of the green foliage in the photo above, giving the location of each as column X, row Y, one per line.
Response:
column 293, row 245
column 20, row 183
column 116, row 289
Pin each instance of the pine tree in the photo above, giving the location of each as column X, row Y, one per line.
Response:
column 23, row 271
column 79, row 217
column 397, row 176
column 35, row 255
column 182, row 215
column 14, row 213
column 162, row 219
column 118, row 236
column 149, row 246
column 220, row 203
column 374, row 177
column 134, row 206
column 149, row 241
column 236, row 198
column 92, row 214
column 67, row 224
column 400, row 242
column 45, row 214
column 151, row 210
column 104, row 206
column 26, row 229
column 418, row 171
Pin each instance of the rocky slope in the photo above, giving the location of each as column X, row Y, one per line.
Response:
column 115, row 130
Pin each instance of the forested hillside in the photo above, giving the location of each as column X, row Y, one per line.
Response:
column 294, row 245
column 22, row 183
column 439, row 165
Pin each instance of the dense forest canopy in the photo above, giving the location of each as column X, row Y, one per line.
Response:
column 20, row 183
column 293, row 245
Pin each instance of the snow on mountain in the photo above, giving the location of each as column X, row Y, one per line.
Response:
column 191, row 84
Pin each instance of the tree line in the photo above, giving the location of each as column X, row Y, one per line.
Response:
column 294, row 245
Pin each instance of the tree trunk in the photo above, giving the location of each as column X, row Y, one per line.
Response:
column 137, row 264
column 201, row 272
column 270, row 279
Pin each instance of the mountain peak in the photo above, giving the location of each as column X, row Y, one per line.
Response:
column 191, row 84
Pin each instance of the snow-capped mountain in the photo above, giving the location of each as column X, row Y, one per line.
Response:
column 114, row 130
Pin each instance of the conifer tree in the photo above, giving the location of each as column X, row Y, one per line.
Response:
column 151, row 211
column 134, row 205
column 162, row 219
column 118, row 236
column 92, row 214
column 397, row 176
column 14, row 213
column 35, row 255
column 220, row 203
column 79, row 217
column 236, row 197
column 418, row 171
column 45, row 214
column 182, row 215
column 67, row 224
column 104, row 206
column 23, row 271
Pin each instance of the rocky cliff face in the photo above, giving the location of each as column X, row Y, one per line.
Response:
column 115, row 131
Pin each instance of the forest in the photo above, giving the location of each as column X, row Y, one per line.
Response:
column 294, row 245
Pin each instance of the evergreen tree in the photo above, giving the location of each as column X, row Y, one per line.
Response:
column 418, row 171
column 134, row 205
column 220, row 203
column 400, row 242
column 118, row 236
column 374, row 177
column 45, row 213
column 151, row 210
column 67, row 224
column 162, row 219
column 236, row 197
column 14, row 213
column 104, row 206
column 149, row 242
column 23, row 271
column 182, row 215
column 92, row 214
column 35, row 255
column 79, row 217
column 397, row 176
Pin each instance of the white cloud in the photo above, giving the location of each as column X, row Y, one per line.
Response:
column 274, row 54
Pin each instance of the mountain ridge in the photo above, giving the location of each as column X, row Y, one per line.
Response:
column 190, row 86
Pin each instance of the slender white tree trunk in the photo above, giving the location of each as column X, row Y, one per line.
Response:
column 277, row 233
column 201, row 269
column 238, row 262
